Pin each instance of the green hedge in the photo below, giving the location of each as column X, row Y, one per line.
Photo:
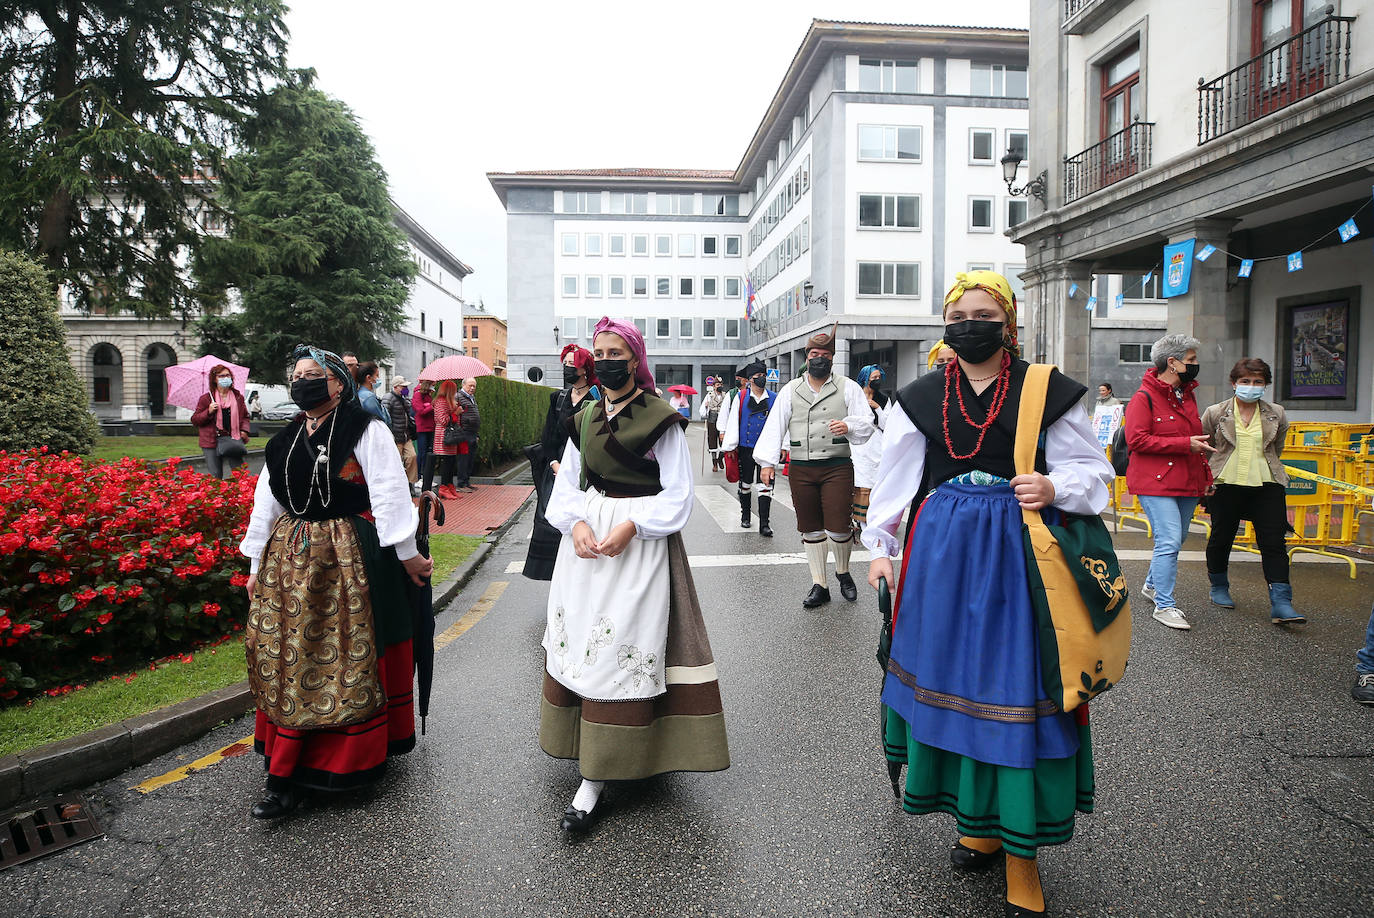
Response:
column 512, row 418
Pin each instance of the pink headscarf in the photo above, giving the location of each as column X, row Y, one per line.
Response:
column 643, row 378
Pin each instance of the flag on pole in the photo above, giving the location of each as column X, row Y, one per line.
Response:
column 749, row 295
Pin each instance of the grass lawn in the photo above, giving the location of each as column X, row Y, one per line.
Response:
column 102, row 703
column 145, row 447
column 450, row 550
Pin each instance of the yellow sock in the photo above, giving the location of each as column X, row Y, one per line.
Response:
column 985, row 845
column 1023, row 883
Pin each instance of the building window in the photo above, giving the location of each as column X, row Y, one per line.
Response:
column 1018, row 144
column 629, row 203
column 617, row 286
column 886, row 76
column 422, row 322
column 642, row 325
column 581, row 202
column 890, row 211
column 616, row 244
column 722, row 205
column 675, row 203
column 1121, row 91
column 640, row 244
column 980, row 146
column 708, row 328
column 569, row 243
column 102, row 389
column 569, row 285
column 685, row 328
column 441, row 328
column 980, row 215
column 663, row 245
column 686, row 244
column 663, row 286
column 593, row 284
column 997, row 80
column 591, row 244
column 886, row 278
column 732, row 288
column 710, row 246
column 732, row 246
column 890, row 142
column 708, row 287
column 1016, row 211
column 474, row 334
column 663, row 327
column 639, row 286
column 732, row 328
column 685, row 286
column 570, row 328
column 1134, row 353
column 1018, row 287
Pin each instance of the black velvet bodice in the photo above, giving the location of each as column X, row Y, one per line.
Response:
column 291, row 460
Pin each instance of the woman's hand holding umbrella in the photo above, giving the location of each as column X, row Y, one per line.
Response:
column 419, row 569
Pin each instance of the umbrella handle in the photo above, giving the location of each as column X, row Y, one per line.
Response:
column 885, row 600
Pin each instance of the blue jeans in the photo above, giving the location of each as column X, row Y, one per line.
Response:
column 424, row 443
column 1169, row 517
column 1364, row 658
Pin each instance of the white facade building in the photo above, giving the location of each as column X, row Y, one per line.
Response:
column 872, row 180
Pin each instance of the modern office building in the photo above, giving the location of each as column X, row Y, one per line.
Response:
column 1246, row 126
column 873, row 178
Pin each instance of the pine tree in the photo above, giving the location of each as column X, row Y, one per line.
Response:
column 312, row 247
column 42, row 403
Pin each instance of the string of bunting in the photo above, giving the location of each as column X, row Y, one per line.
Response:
column 1347, row 230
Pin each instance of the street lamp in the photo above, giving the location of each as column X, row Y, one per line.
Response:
column 555, row 335
column 1035, row 188
column 824, row 299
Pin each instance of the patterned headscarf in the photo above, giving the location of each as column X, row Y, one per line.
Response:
column 934, row 354
column 867, row 372
column 996, row 285
column 332, row 363
column 643, row 378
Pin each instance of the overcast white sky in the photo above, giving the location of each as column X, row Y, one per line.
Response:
column 449, row 91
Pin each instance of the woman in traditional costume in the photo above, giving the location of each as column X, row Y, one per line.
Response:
column 331, row 536
column 579, row 383
column 868, row 454
column 630, row 686
column 966, row 710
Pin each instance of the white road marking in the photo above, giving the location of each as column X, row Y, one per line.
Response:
column 722, row 505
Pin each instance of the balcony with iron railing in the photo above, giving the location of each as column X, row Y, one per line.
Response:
column 1108, row 161
column 1316, row 58
column 1082, row 16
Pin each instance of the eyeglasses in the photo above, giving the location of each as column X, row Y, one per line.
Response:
column 308, row 374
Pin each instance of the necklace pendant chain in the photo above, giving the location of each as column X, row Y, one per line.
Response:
column 318, row 491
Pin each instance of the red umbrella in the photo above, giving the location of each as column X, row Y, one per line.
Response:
column 454, row 366
column 682, row 390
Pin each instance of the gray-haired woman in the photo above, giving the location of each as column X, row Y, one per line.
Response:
column 1168, row 469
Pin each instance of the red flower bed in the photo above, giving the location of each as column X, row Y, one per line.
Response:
column 104, row 563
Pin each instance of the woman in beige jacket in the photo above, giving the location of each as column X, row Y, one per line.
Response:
column 1249, row 483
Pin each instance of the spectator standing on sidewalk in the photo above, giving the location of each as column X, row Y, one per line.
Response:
column 469, row 421
column 422, row 402
column 366, row 375
column 1168, row 469
column 398, row 419
column 222, row 415
column 448, row 437
column 1363, row 690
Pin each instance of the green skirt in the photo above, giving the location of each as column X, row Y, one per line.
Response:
column 1024, row 807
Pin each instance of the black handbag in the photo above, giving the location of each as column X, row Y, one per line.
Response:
column 453, row 434
column 228, row 447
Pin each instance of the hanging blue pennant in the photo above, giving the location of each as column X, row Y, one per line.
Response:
column 1246, row 266
column 1349, row 230
column 1092, row 303
column 1206, row 252
column 1295, row 262
column 1073, row 290
column 1178, row 267
column 1120, row 300
column 1145, row 281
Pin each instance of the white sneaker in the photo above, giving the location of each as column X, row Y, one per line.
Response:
column 1171, row 617
column 1148, row 592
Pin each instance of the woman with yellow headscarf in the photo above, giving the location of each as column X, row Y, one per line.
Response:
column 964, row 705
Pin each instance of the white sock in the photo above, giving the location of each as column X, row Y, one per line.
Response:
column 587, row 795
column 842, row 551
column 815, row 557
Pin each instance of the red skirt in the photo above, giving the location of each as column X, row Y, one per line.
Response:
column 346, row 757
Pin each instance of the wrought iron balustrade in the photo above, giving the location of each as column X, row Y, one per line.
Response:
column 1073, row 7
column 1304, row 65
column 1110, row 160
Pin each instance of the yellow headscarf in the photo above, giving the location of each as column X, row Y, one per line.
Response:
column 934, row 353
column 996, row 285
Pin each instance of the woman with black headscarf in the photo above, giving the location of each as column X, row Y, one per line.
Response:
column 328, row 640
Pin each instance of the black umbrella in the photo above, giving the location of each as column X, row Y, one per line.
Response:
column 894, row 769
column 422, row 606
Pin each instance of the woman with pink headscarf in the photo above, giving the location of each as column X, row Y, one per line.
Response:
column 630, row 686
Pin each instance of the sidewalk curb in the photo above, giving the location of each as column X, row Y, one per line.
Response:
column 445, row 592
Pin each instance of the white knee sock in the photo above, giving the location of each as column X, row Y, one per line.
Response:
column 842, row 551
column 587, row 795
column 815, row 556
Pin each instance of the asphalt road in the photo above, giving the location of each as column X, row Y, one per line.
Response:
column 1234, row 778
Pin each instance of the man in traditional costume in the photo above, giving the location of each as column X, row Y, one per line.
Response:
column 965, row 706
column 816, row 417
column 747, row 417
column 630, row 686
column 331, row 536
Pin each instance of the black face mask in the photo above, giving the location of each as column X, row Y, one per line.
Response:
column 875, row 386
column 974, row 340
column 310, row 393
column 760, row 380
column 1188, row 373
column 569, row 375
column 613, row 373
column 819, row 367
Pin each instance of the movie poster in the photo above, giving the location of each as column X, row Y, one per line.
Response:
column 1320, row 336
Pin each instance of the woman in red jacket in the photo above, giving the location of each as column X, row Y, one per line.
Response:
column 423, row 404
column 1168, row 470
column 221, row 412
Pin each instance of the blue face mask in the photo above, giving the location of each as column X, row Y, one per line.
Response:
column 225, row 381
column 1249, row 393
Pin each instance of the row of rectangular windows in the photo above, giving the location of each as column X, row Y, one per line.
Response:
column 784, row 253
column 590, row 202
column 590, row 244
column 710, row 328
column 590, row 285
column 902, row 143
column 994, row 80
column 791, row 193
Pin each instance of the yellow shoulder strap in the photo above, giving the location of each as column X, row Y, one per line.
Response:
column 1028, row 416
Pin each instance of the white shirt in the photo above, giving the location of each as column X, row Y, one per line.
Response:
column 722, row 419
column 658, row 516
column 858, row 416
column 730, row 434
column 867, row 455
column 1079, row 470
column 387, row 488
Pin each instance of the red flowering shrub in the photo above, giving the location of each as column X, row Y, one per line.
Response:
column 103, row 563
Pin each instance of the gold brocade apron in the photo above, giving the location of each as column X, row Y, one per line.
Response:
column 311, row 638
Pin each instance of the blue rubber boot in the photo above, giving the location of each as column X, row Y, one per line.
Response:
column 1221, row 590
column 1281, row 611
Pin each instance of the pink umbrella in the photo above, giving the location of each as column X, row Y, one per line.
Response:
column 454, row 366
column 187, row 382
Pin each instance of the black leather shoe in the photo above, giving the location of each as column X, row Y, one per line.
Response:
column 1016, row 911
column 819, row 595
column 575, row 820
column 277, row 804
column 966, row 858
column 847, row 588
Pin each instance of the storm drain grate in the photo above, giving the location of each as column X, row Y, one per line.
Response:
column 55, row 825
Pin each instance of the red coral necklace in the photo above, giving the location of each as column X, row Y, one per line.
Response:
column 999, row 398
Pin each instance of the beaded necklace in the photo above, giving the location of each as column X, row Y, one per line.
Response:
column 999, row 398
column 323, row 492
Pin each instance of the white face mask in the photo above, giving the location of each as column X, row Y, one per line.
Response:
column 1249, row 393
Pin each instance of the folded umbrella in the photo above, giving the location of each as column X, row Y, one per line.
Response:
column 894, row 769
column 421, row 598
